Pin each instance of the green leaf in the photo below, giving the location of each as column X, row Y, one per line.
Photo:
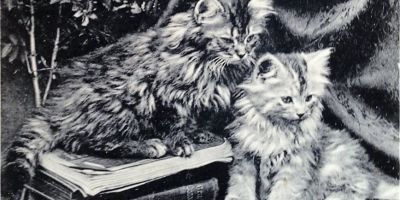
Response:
column 6, row 50
column 11, row 4
column 85, row 21
column 135, row 8
column 13, row 55
column 92, row 16
column 59, row 1
column 13, row 39
column 107, row 4
column 54, row 1
column 22, row 58
column 78, row 13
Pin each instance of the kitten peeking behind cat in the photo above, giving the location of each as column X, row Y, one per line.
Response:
column 283, row 150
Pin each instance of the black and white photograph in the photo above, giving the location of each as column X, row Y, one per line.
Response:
column 200, row 99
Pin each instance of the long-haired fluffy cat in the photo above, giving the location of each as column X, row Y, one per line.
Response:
column 146, row 94
column 283, row 150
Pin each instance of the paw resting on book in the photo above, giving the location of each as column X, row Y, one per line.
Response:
column 155, row 148
column 183, row 147
column 180, row 145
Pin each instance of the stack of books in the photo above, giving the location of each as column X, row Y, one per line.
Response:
column 67, row 176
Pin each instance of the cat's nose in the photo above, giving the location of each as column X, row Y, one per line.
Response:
column 300, row 115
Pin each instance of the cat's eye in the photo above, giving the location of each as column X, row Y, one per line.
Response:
column 308, row 98
column 287, row 99
column 227, row 40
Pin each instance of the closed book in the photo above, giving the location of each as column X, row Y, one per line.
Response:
column 205, row 190
column 46, row 186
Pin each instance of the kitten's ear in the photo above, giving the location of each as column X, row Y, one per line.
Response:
column 207, row 11
column 268, row 66
column 318, row 61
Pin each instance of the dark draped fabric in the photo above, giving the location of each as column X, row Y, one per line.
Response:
column 364, row 96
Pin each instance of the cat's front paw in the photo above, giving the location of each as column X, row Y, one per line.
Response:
column 155, row 148
column 182, row 146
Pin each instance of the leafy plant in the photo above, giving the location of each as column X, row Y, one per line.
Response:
column 39, row 33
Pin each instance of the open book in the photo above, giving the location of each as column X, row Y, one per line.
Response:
column 93, row 175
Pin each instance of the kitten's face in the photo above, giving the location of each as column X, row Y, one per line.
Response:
column 232, row 28
column 289, row 86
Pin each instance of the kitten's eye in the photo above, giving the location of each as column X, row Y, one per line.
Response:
column 308, row 98
column 227, row 40
column 263, row 79
column 287, row 99
column 249, row 38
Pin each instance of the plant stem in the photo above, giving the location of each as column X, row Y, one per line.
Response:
column 53, row 57
column 28, row 65
column 168, row 11
column 33, row 60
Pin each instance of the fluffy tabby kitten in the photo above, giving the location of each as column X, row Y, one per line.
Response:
column 143, row 95
column 283, row 149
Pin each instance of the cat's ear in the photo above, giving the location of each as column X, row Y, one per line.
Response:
column 269, row 66
column 208, row 11
column 317, row 62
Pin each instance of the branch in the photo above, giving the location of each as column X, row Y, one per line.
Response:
column 53, row 57
column 363, row 121
column 28, row 65
column 33, row 60
column 168, row 11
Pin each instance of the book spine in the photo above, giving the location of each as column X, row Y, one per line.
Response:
column 50, row 189
column 48, row 185
column 205, row 190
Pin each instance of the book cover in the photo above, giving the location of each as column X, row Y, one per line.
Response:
column 47, row 186
column 205, row 190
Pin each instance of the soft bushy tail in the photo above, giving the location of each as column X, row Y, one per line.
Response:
column 34, row 138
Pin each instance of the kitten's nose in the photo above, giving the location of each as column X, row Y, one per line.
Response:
column 240, row 51
column 241, row 54
column 300, row 115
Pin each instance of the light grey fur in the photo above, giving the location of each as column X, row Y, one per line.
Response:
column 278, row 156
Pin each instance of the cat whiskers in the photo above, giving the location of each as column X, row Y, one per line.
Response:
column 217, row 61
column 219, row 64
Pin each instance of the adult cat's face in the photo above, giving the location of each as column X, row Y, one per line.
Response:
column 289, row 86
column 232, row 29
